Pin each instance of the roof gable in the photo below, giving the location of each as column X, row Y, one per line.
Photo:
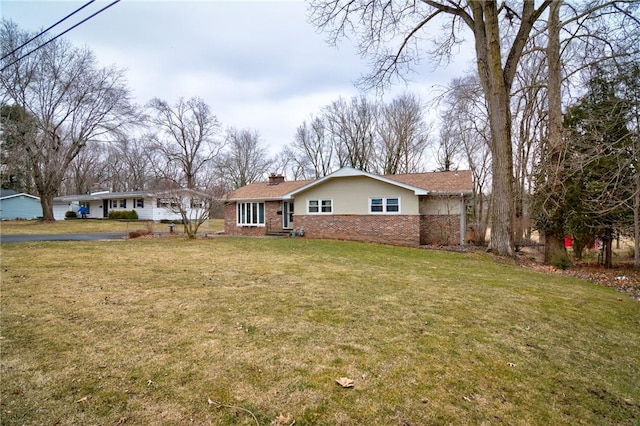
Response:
column 420, row 183
column 9, row 194
column 350, row 172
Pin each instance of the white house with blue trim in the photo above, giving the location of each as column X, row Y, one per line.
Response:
column 149, row 205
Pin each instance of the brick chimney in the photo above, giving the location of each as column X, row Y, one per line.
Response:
column 275, row 179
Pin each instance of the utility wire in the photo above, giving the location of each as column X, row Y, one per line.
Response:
column 59, row 35
column 44, row 31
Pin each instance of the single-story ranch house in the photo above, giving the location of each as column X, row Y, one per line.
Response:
column 149, row 205
column 14, row 205
column 409, row 209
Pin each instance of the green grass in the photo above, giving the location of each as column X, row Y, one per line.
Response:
column 148, row 331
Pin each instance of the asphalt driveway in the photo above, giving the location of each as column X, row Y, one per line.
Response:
column 23, row 238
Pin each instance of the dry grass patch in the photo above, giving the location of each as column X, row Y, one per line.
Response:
column 93, row 226
column 164, row 331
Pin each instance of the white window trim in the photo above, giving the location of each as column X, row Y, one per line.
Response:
column 384, row 205
column 319, row 200
column 264, row 216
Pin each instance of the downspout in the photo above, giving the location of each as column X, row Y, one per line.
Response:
column 463, row 220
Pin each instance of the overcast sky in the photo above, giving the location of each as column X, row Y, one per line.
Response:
column 258, row 64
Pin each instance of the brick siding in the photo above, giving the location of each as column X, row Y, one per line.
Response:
column 273, row 220
column 401, row 230
column 440, row 230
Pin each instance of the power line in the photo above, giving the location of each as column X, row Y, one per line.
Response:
column 44, row 31
column 59, row 35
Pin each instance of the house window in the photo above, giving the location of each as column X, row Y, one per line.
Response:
column 138, row 203
column 250, row 214
column 320, row 206
column 167, row 203
column 114, row 204
column 384, row 205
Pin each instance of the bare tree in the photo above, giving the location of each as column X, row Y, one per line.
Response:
column 312, row 150
column 246, row 159
column 130, row 164
column 351, row 126
column 402, row 136
column 379, row 22
column 450, row 144
column 194, row 207
column 530, row 127
column 186, row 134
column 86, row 170
column 72, row 100
column 464, row 119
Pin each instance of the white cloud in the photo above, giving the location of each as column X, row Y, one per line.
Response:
column 258, row 64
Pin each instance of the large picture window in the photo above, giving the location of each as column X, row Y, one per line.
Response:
column 384, row 205
column 319, row 206
column 250, row 214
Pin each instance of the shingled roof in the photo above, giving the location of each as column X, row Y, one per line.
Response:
column 433, row 183
column 265, row 190
column 438, row 182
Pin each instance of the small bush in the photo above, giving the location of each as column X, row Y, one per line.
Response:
column 123, row 214
column 561, row 261
column 70, row 214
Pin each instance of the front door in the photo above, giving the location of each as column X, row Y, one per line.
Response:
column 287, row 214
column 105, row 208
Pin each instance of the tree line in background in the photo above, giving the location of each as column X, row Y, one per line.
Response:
column 533, row 60
column 548, row 122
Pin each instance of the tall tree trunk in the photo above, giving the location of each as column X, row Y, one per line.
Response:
column 554, row 237
column 608, row 251
column 496, row 89
column 46, row 201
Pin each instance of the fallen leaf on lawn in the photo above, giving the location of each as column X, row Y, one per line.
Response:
column 120, row 422
column 283, row 421
column 84, row 399
column 345, row 382
column 510, row 364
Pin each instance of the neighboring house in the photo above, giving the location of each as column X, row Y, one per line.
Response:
column 409, row 210
column 149, row 205
column 14, row 205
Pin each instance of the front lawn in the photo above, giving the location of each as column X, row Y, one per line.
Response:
column 245, row 331
column 93, row 226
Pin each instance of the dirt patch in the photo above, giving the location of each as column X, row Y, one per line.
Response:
column 621, row 277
